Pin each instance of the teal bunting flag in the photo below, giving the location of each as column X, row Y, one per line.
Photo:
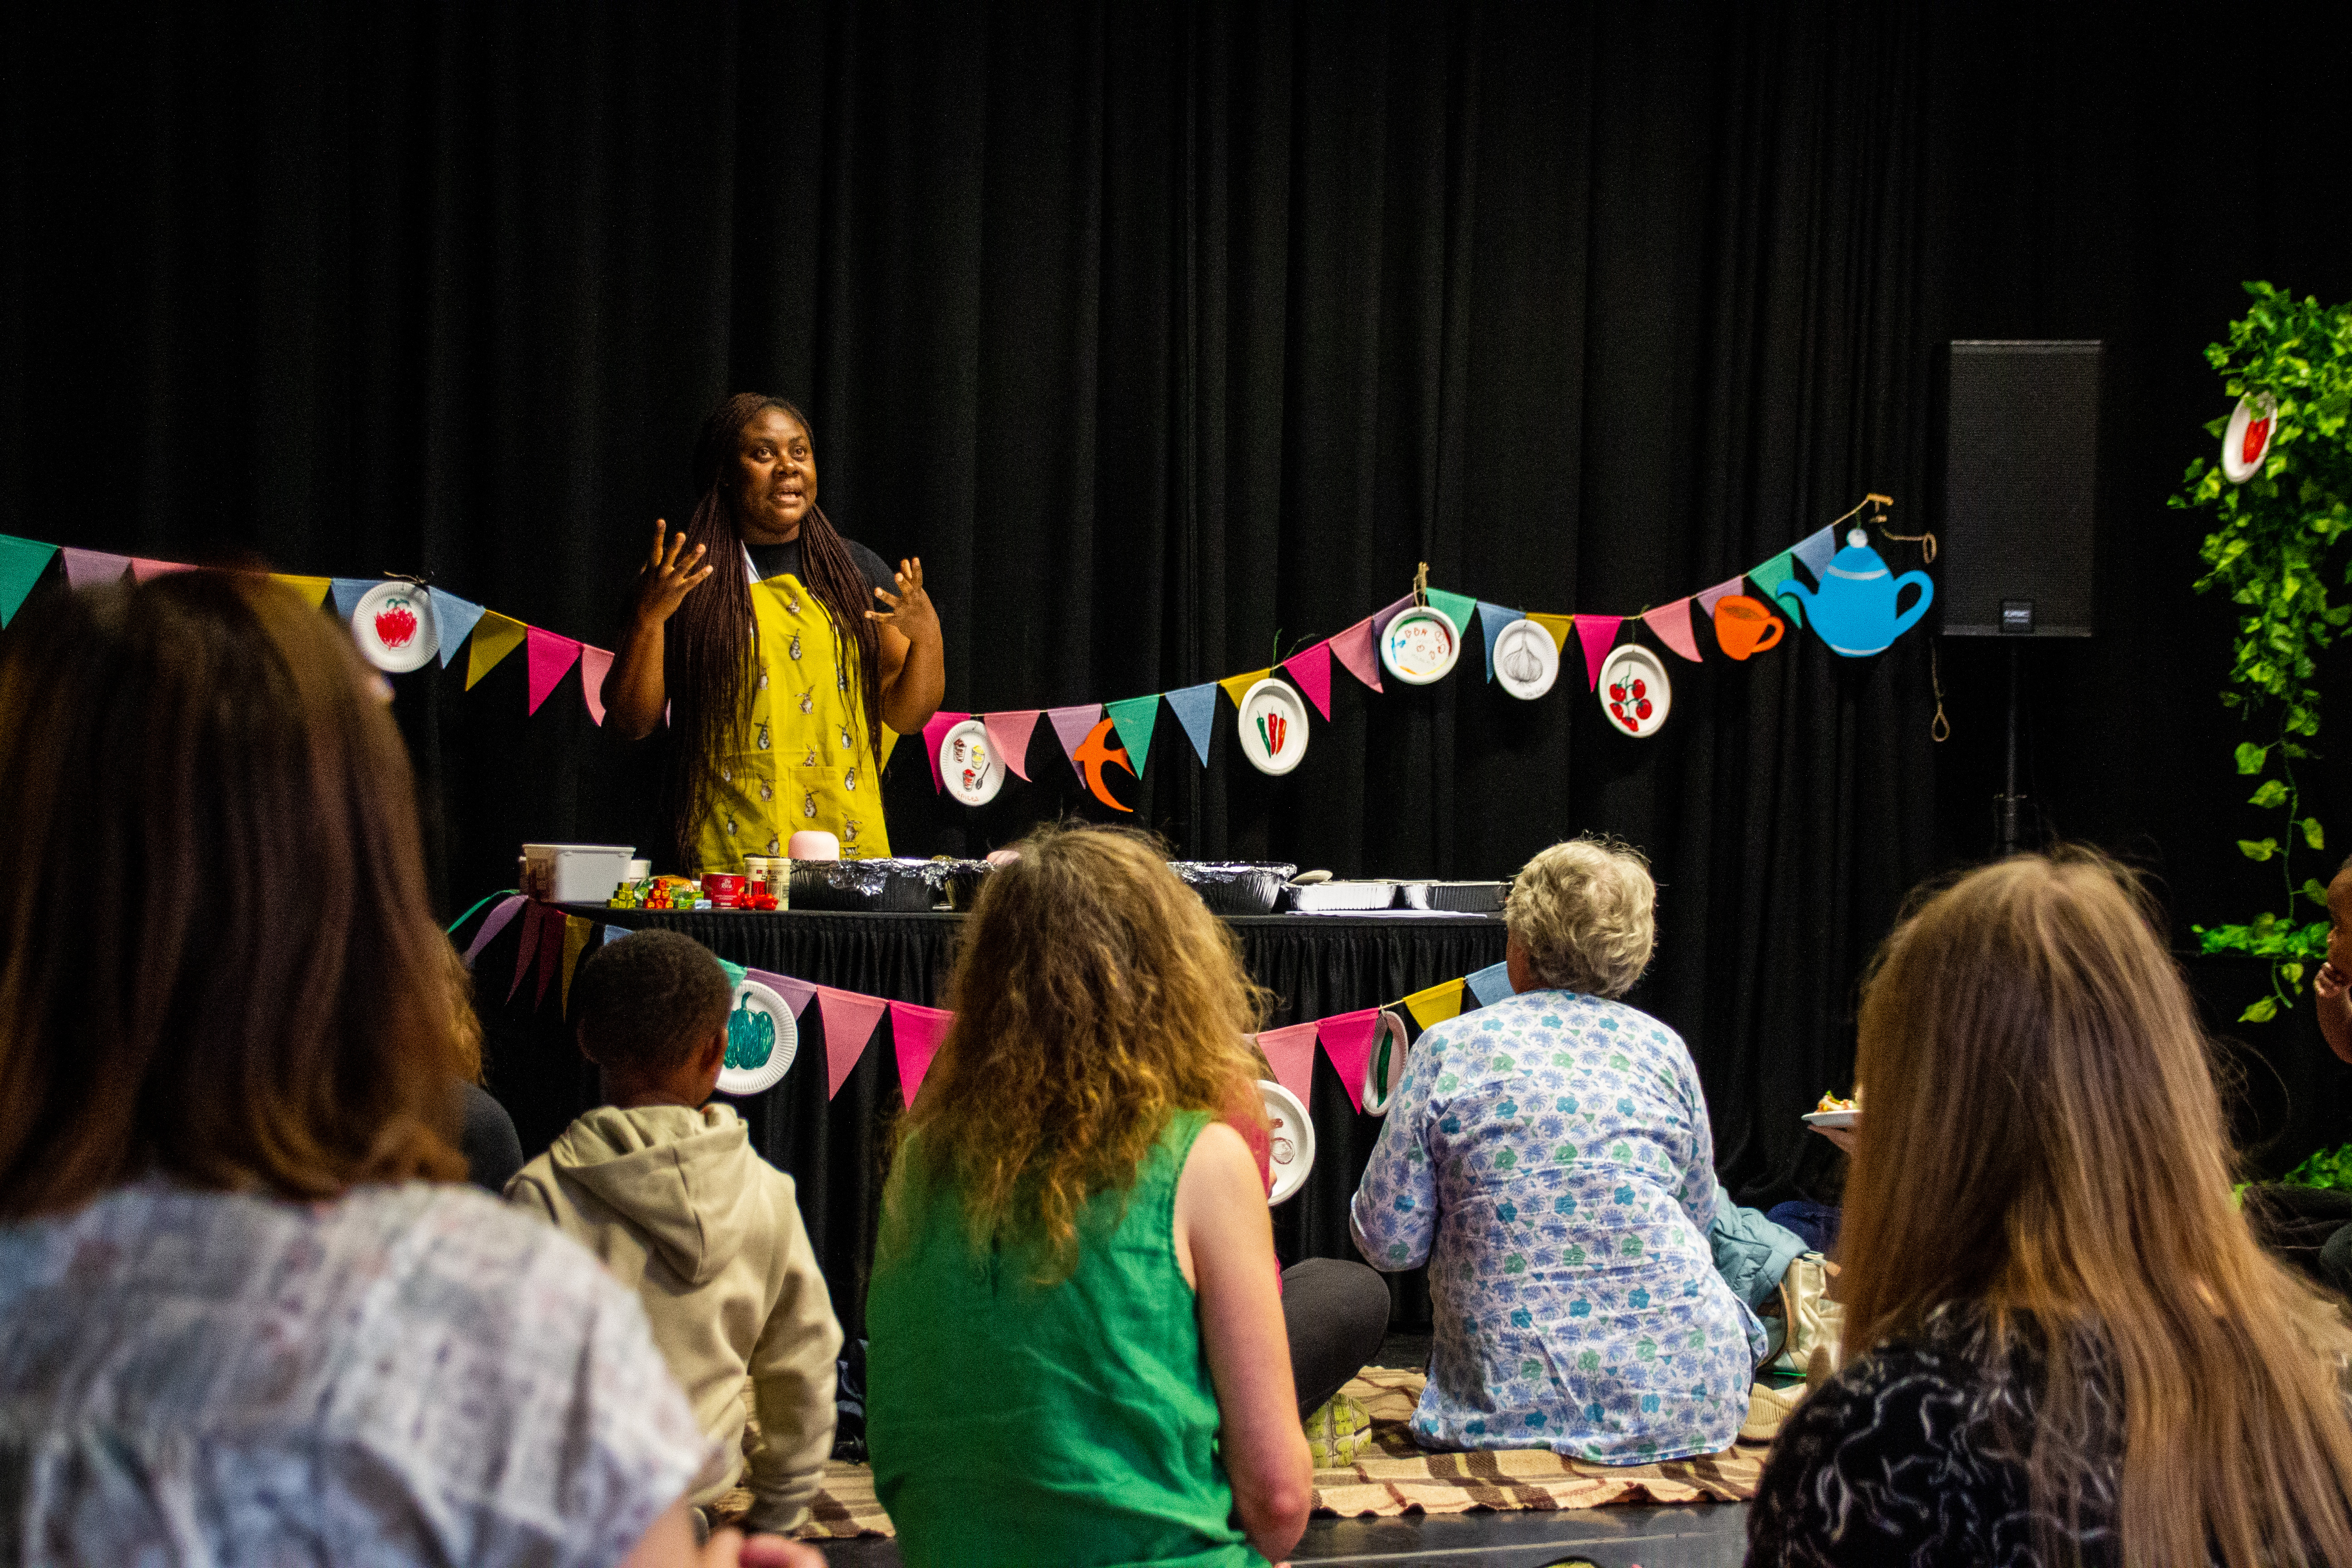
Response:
column 1769, row 578
column 1457, row 608
column 1134, row 718
column 21, row 562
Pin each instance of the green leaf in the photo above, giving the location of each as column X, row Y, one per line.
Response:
column 2258, row 849
column 2273, row 792
column 2250, row 757
column 2312, row 890
column 2261, row 1012
column 2292, row 974
column 2312, row 835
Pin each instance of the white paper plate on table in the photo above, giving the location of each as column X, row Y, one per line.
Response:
column 1292, row 1153
column 1273, row 726
column 394, row 626
column 1527, row 661
column 1420, row 644
column 968, row 766
column 762, row 1038
column 1384, row 1069
column 1831, row 1117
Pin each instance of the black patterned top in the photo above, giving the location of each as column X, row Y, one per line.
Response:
column 1916, row 1454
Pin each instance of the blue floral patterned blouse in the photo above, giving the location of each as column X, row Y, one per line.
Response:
column 1550, row 1158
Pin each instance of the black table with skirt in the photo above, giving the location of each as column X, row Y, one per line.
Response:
column 837, row 1150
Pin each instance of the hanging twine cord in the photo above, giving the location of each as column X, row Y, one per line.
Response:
column 1941, row 729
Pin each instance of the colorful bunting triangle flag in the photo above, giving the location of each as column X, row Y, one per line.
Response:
column 493, row 923
column 797, row 994
column 1816, row 550
column 453, row 619
column 736, row 973
column 1436, row 1003
column 88, row 568
column 935, row 732
column 312, row 589
column 916, row 1032
column 849, row 1021
column 21, row 562
column 596, row 663
column 145, row 569
column 1290, row 1052
column 1558, row 625
column 1134, row 718
column 1009, row 733
column 1769, row 578
column 1457, row 608
column 1490, row 985
column 349, row 591
column 497, row 637
column 1492, row 619
column 549, row 656
column 527, row 949
column 577, row 931
column 1311, row 667
column 1597, row 633
column 1071, row 727
column 1707, row 597
column 1348, row 1041
column 1353, row 647
column 550, row 951
column 1237, row 686
column 1671, row 623
column 1196, row 710
column 1383, row 616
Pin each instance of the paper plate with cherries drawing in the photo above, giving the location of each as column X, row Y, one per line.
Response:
column 762, row 1038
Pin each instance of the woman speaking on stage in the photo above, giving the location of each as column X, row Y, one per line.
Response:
column 777, row 651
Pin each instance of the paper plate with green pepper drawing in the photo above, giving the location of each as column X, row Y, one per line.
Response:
column 1273, row 726
column 761, row 1039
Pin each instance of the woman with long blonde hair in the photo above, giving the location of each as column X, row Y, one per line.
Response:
column 2072, row 1348
column 1078, row 1353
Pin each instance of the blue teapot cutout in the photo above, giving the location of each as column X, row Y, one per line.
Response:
column 1853, row 610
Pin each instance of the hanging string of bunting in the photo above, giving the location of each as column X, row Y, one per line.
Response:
column 1845, row 595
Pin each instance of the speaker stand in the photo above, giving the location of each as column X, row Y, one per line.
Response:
column 2009, row 803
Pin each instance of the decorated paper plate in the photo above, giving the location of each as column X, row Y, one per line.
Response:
column 1527, row 661
column 1273, row 726
column 762, row 1040
column 1420, row 644
column 1291, row 1153
column 394, row 628
column 1634, row 692
column 969, row 765
column 2247, row 441
column 1831, row 1117
column 1384, row 1069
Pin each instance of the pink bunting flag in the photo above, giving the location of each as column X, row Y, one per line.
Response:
column 1671, row 623
column 795, row 993
column 1009, row 733
column 1353, row 647
column 849, row 1021
column 1348, row 1041
column 1072, row 726
column 1597, row 633
column 1707, row 597
column 595, row 665
column 916, row 1032
column 933, row 733
column 550, row 951
column 88, row 568
column 1312, row 668
column 527, row 949
column 1290, row 1052
column 493, row 923
column 550, row 656
column 144, row 569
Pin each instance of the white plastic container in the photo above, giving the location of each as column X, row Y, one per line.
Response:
column 574, row 873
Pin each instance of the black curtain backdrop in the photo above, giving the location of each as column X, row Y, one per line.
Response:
column 1171, row 336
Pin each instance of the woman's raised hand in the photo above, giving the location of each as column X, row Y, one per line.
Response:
column 664, row 580
column 910, row 608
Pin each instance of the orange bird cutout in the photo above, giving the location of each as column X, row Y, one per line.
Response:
column 1092, row 755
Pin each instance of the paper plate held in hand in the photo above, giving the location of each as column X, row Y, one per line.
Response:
column 1273, row 726
column 1831, row 1117
column 762, row 1038
column 393, row 626
column 1384, row 1069
column 1291, row 1153
column 1527, row 661
column 1420, row 644
column 968, row 766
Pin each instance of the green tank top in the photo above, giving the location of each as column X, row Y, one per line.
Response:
column 1071, row 1423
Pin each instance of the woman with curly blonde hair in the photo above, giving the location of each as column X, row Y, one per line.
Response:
column 1078, row 1352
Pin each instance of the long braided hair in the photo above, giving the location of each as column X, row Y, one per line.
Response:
column 710, row 677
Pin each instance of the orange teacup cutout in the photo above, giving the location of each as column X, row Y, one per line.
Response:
column 1743, row 625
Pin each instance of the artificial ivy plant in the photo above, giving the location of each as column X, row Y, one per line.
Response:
column 2272, row 551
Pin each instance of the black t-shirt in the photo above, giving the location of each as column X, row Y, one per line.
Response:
column 775, row 560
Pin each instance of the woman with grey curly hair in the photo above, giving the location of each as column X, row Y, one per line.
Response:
column 1548, row 1156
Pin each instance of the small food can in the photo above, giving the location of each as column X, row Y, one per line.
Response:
column 723, row 889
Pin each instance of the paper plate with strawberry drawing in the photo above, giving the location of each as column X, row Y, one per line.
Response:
column 969, row 765
column 1420, row 644
column 1634, row 691
column 1273, row 726
column 2247, row 441
column 393, row 626
column 762, row 1040
column 1527, row 661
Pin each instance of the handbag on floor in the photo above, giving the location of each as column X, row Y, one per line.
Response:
column 1808, row 1320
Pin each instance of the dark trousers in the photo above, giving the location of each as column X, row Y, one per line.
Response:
column 2311, row 1227
column 1337, row 1313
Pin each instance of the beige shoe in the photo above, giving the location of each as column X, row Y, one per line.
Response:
column 1767, row 1408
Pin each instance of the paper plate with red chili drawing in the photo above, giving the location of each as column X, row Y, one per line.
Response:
column 1634, row 692
column 2247, row 441
column 1273, row 726
column 394, row 628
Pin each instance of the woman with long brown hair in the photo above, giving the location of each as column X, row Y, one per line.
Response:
column 1078, row 1353
column 238, row 1316
column 786, row 679
column 2066, row 1344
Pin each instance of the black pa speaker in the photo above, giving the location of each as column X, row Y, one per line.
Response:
column 2018, row 454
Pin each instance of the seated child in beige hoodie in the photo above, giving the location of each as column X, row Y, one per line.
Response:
column 667, row 1190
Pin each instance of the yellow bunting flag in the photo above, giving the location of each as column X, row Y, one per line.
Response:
column 495, row 637
column 1237, row 686
column 576, row 932
column 1435, row 1004
column 1558, row 625
column 312, row 588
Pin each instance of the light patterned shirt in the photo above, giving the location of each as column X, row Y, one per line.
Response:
column 410, row 1375
column 1550, row 1158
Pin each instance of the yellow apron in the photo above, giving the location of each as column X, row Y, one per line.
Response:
column 802, row 761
